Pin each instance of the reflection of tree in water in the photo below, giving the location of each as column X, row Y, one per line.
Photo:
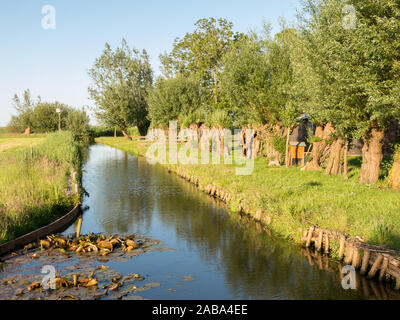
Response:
column 135, row 195
column 254, row 265
column 119, row 187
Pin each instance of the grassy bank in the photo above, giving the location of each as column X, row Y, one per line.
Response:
column 292, row 197
column 34, row 182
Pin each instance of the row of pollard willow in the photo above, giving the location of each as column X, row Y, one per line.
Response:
column 372, row 261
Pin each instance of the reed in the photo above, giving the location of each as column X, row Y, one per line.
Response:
column 34, row 184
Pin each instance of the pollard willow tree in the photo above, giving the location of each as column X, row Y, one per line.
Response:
column 258, row 83
column 201, row 53
column 379, row 28
column 121, row 81
column 244, row 85
column 244, row 82
column 172, row 98
column 358, row 65
column 324, row 36
column 289, row 96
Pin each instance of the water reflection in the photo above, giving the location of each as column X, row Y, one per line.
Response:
column 229, row 257
column 370, row 289
column 78, row 226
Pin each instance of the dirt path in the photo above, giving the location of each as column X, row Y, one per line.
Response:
column 8, row 143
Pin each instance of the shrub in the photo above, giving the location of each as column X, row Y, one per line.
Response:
column 78, row 124
column 219, row 118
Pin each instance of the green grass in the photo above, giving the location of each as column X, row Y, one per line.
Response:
column 34, row 184
column 100, row 131
column 293, row 197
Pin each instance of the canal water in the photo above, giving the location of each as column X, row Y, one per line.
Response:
column 223, row 256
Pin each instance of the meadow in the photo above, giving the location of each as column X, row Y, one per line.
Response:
column 11, row 142
column 294, row 198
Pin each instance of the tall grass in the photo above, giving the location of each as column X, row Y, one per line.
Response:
column 34, row 184
column 59, row 147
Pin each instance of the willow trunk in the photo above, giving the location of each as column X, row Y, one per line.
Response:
column 394, row 174
column 126, row 135
column 287, row 155
column 335, row 158
column 321, row 149
column 346, row 161
column 372, row 156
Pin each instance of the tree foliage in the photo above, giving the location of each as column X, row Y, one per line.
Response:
column 121, row 81
column 42, row 117
column 172, row 98
column 38, row 116
column 245, row 81
column 357, row 69
column 78, row 123
column 201, row 53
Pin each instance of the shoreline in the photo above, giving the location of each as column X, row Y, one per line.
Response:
column 373, row 261
column 40, row 185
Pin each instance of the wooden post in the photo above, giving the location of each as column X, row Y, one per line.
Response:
column 375, row 266
column 365, row 262
column 356, row 258
column 304, row 237
column 326, row 243
column 397, row 287
column 349, row 254
column 342, row 248
column 78, row 227
column 310, row 233
column 384, row 267
column 318, row 243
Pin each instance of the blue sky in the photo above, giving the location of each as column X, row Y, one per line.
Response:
column 54, row 63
